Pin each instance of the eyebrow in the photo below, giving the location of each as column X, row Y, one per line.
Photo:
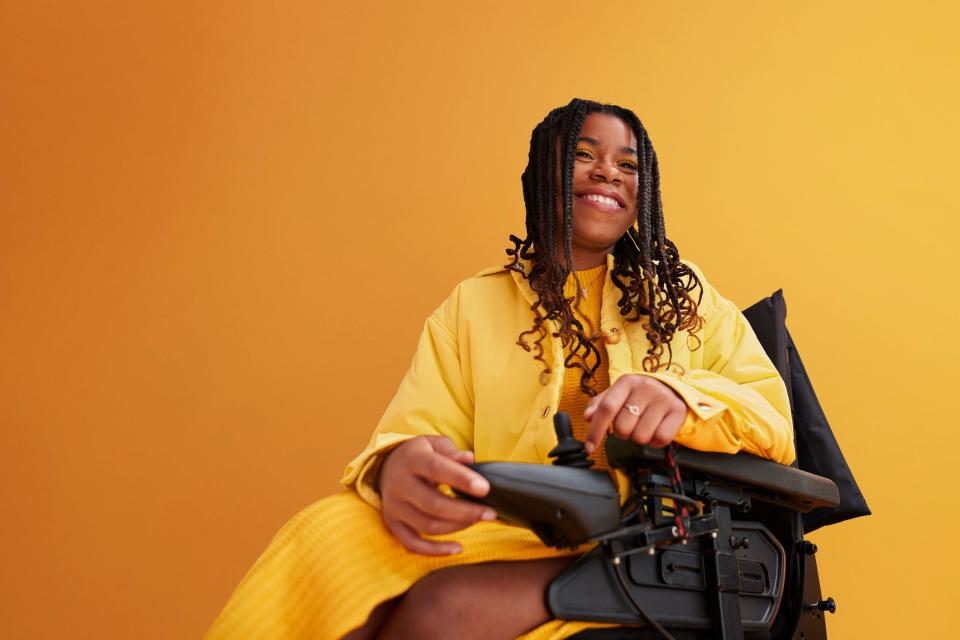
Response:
column 596, row 142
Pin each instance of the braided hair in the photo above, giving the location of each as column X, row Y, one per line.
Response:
column 657, row 288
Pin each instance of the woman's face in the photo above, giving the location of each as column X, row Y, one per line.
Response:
column 605, row 179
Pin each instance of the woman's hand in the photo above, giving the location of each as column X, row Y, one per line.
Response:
column 642, row 409
column 412, row 504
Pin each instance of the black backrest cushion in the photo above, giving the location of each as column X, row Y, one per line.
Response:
column 817, row 448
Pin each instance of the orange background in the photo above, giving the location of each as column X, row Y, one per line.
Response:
column 222, row 225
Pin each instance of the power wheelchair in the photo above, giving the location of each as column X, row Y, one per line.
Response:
column 708, row 545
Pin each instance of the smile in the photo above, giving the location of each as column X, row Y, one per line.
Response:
column 603, row 203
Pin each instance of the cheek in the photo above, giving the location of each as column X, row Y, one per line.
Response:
column 634, row 195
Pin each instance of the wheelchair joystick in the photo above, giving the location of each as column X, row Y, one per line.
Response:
column 569, row 451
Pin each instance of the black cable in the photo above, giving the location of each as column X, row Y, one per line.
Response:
column 622, row 579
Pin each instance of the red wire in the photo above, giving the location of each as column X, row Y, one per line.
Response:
column 683, row 516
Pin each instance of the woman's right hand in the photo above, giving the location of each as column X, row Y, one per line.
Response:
column 412, row 504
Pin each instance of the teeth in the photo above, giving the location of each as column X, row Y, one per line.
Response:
column 601, row 199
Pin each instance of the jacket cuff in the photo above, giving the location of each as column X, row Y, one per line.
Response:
column 362, row 472
column 703, row 407
column 703, row 412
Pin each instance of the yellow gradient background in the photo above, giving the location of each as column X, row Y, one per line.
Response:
column 222, row 225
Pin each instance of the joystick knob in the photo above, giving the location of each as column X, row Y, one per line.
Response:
column 569, row 451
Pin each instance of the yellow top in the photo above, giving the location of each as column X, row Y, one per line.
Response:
column 572, row 399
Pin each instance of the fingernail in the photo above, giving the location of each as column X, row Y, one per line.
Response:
column 589, row 446
column 478, row 485
column 454, row 548
column 488, row 515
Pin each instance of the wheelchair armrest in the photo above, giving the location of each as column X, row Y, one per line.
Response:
column 801, row 490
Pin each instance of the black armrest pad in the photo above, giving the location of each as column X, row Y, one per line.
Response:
column 806, row 490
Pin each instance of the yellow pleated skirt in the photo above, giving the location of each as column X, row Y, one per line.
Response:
column 335, row 561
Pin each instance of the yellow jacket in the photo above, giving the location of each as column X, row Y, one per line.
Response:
column 469, row 380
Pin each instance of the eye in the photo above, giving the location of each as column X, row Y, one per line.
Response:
column 583, row 153
column 629, row 166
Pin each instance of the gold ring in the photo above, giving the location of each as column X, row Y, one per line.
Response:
column 632, row 408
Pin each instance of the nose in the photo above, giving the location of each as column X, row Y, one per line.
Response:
column 606, row 171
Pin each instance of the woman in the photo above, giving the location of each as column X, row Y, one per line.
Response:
column 595, row 315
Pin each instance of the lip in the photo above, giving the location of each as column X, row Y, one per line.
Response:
column 600, row 192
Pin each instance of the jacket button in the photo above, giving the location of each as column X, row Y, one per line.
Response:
column 546, row 412
column 704, row 405
column 612, row 336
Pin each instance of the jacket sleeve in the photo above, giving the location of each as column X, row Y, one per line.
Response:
column 433, row 399
column 737, row 401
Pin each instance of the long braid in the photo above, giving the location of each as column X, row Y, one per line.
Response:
column 571, row 330
column 670, row 307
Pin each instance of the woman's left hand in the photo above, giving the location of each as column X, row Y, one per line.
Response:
column 642, row 409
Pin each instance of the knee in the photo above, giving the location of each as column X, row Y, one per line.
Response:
column 443, row 604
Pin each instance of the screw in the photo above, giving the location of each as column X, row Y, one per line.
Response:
column 828, row 605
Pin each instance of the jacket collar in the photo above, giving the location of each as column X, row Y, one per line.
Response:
column 520, row 279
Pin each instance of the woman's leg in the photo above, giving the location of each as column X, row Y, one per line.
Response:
column 488, row 600
column 374, row 623
column 334, row 563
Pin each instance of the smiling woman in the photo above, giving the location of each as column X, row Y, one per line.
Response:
column 595, row 315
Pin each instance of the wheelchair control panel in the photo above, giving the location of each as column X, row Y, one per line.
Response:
column 700, row 548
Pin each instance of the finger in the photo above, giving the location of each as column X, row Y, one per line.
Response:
column 444, row 446
column 592, row 405
column 668, row 428
column 424, row 524
column 415, row 544
column 648, row 422
column 442, row 470
column 605, row 411
column 625, row 422
column 464, row 457
column 430, row 501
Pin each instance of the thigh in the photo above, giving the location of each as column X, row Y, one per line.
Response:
column 486, row 600
column 371, row 628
